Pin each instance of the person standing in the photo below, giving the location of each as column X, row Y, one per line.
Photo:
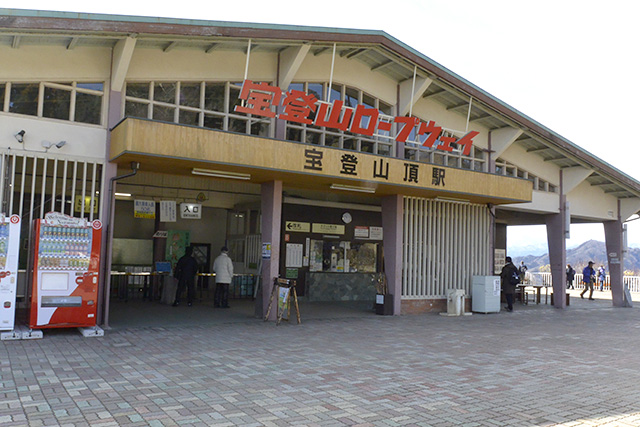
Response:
column 223, row 267
column 588, row 278
column 509, row 278
column 571, row 274
column 522, row 271
column 602, row 275
column 185, row 272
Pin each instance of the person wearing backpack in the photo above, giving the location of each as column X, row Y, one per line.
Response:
column 509, row 278
column 602, row 276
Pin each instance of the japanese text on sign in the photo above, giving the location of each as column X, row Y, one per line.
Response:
column 298, row 106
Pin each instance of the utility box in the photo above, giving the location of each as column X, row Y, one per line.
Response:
column 485, row 294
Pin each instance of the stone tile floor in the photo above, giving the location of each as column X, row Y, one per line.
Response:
column 537, row 366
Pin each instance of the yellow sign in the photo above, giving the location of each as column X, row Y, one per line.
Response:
column 293, row 226
column 327, row 228
column 87, row 204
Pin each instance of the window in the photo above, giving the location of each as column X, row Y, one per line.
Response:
column 71, row 101
column 205, row 104
column 380, row 143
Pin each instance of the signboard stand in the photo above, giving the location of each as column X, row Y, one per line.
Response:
column 283, row 289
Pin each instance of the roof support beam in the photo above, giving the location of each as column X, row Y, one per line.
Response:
column 290, row 62
column 572, row 177
column 122, row 53
column 382, row 66
column 421, row 86
column 170, row 47
column 629, row 207
column 15, row 43
column 502, row 139
column 73, row 43
column 211, row 48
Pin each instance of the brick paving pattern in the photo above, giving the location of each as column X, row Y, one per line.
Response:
column 537, row 366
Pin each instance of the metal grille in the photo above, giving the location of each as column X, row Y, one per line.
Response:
column 444, row 245
column 33, row 185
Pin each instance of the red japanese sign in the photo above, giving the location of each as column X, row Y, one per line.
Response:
column 298, row 106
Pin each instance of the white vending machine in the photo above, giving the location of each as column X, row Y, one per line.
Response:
column 485, row 295
column 9, row 247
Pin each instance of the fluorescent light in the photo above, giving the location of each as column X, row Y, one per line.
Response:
column 123, row 194
column 220, row 174
column 352, row 188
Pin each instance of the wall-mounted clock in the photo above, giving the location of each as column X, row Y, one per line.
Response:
column 346, row 217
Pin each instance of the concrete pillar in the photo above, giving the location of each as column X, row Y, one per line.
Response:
column 556, row 231
column 271, row 224
column 613, row 242
column 392, row 224
column 107, row 210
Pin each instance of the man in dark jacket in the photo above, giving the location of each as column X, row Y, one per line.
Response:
column 185, row 272
column 571, row 274
column 509, row 277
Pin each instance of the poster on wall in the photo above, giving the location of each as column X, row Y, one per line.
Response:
column 361, row 232
column 294, row 255
column 499, row 257
column 266, row 250
column 144, row 209
column 315, row 255
column 375, row 233
column 177, row 241
column 168, row 211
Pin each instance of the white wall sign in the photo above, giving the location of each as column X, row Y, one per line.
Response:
column 361, row 231
column 294, row 255
column 190, row 210
column 375, row 233
column 168, row 211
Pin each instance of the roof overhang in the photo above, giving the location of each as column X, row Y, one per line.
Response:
column 186, row 150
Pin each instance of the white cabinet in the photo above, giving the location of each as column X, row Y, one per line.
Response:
column 485, row 295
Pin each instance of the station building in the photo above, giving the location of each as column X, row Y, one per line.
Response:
column 324, row 155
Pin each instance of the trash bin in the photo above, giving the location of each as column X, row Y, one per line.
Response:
column 384, row 304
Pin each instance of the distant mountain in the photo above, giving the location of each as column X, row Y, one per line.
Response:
column 579, row 256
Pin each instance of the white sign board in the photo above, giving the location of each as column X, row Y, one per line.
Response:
column 190, row 210
column 168, row 211
column 375, row 233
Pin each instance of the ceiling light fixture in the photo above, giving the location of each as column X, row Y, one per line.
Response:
column 123, row 194
column 220, row 174
column 352, row 188
column 20, row 136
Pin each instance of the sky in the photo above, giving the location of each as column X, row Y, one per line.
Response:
column 571, row 65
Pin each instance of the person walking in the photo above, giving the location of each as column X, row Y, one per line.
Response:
column 223, row 267
column 509, row 278
column 602, row 276
column 185, row 272
column 588, row 278
column 571, row 274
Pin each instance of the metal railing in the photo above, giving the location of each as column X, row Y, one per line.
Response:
column 632, row 282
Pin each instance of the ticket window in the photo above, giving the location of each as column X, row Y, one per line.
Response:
column 343, row 256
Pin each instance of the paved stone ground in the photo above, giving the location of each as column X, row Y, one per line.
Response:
column 537, row 366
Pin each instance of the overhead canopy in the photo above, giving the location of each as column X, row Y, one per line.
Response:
column 188, row 150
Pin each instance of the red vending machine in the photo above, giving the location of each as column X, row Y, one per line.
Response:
column 65, row 272
column 9, row 247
